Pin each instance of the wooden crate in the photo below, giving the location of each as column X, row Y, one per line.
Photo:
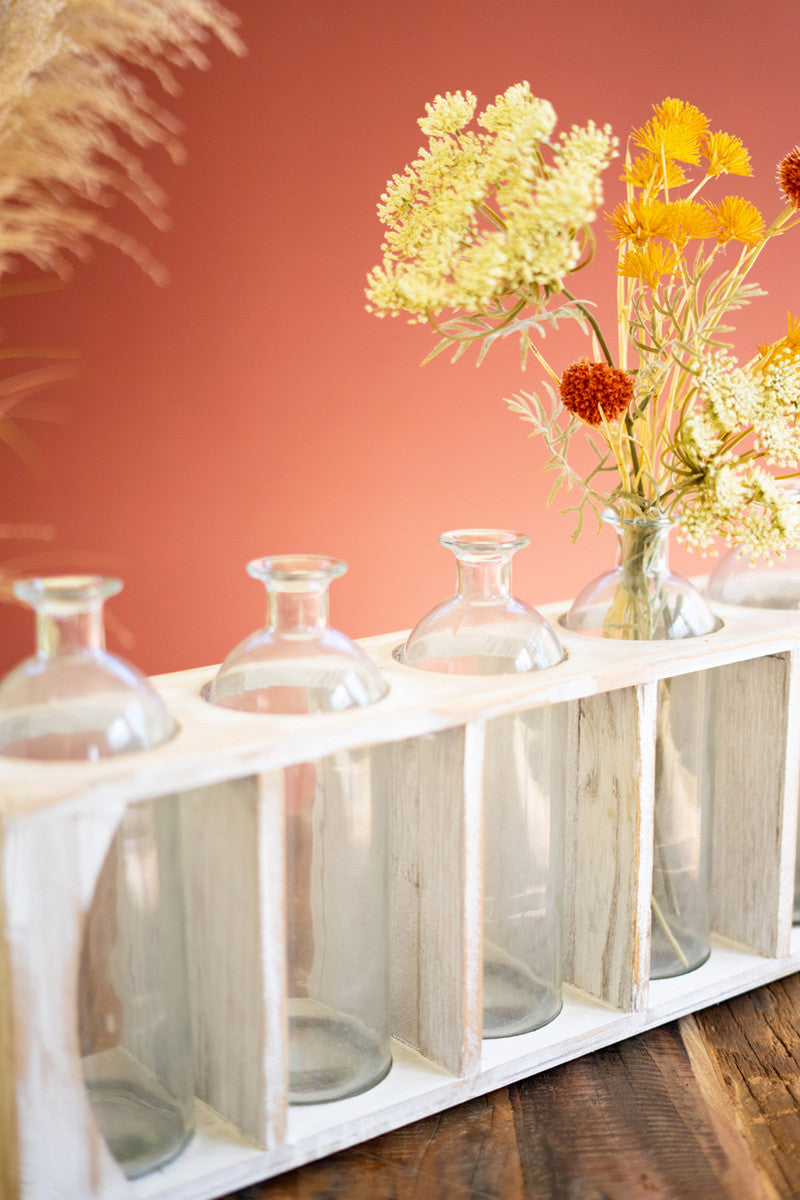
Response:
column 57, row 821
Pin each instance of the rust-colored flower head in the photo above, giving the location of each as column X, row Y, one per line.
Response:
column 789, row 176
column 589, row 387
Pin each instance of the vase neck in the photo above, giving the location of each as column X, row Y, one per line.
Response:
column 78, row 633
column 484, row 561
column 483, row 579
column 69, row 612
column 644, row 546
column 297, row 590
column 296, row 613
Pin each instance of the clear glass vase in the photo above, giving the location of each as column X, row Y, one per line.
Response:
column 641, row 600
column 484, row 630
column 738, row 579
column 296, row 663
column 75, row 701
column 336, row 831
column 134, row 1015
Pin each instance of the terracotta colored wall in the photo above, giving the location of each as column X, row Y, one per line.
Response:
column 253, row 406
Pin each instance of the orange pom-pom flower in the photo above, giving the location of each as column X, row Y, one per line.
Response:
column 789, row 176
column 593, row 390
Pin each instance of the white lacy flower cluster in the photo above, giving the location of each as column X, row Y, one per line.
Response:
column 480, row 217
column 740, row 409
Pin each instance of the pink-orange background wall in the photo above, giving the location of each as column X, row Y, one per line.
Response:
column 254, row 407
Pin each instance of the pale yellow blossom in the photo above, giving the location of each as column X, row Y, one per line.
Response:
column 481, row 217
column 448, row 114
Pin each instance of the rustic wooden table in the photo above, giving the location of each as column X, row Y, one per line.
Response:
column 705, row 1108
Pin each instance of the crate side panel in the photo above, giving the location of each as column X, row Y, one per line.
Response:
column 51, row 863
column 233, row 896
column 756, row 722
column 609, row 844
column 9, row 1148
column 436, row 785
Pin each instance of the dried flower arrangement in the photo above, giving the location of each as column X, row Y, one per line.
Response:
column 484, row 231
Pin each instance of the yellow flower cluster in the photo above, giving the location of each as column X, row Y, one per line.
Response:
column 700, row 425
column 790, row 344
column 483, row 216
column 678, row 134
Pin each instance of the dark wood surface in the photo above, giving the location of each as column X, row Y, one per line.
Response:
column 705, row 1108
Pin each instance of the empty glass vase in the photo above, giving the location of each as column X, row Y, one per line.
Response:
column 74, row 701
column 642, row 600
column 484, row 630
column 134, row 1016
column 337, row 831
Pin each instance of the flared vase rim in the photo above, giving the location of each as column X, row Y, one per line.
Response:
column 484, row 541
column 73, row 590
column 296, row 570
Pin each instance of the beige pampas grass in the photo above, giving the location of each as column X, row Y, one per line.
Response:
column 74, row 109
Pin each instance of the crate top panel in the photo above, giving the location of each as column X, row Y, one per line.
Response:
column 214, row 744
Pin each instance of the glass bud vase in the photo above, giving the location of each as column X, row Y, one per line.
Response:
column 642, row 600
column 740, row 580
column 134, row 1014
column 337, row 833
column 484, row 630
column 74, row 701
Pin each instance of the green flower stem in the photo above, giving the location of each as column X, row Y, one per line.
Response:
column 635, row 464
column 592, row 321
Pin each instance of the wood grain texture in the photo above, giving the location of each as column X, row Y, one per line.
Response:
column 706, row 1108
column 436, row 895
column 610, row 845
column 467, row 1153
column 214, row 744
column 235, row 912
column 750, row 1069
column 756, row 722
column 628, row 1123
column 48, row 873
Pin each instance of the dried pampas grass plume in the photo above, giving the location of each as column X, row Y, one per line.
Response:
column 73, row 111
column 71, row 97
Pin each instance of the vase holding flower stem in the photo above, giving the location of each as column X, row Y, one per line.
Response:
column 643, row 600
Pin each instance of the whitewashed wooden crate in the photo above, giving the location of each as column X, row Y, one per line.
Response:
column 57, row 821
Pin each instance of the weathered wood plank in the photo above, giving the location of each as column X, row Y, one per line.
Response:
column 703, row 1109
column 214, row 744
column 629, row 1123
column 746, row 1058
column 610, row 845
column 48, row 872
column 235, row 915
column 436, row 895
column 467, row 1153
column 756, row 718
